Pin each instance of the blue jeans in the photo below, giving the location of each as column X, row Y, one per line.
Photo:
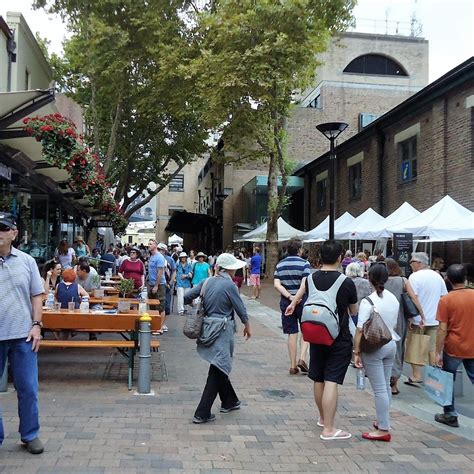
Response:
column 169, row 292
column 451, row 364
column 24, row 367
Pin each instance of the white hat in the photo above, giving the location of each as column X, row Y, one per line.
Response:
column 229, row 262
column 162, row 246
column 183, row 254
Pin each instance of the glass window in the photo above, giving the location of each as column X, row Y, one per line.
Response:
column 407, row 152
column 177, row 183
column 321, row 194
column 355, row 180
column 375, row 64
column 365, row 119
column 315, row 103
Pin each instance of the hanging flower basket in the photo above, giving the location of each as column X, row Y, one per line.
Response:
column 63, row 147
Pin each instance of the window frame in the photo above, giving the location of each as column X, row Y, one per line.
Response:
column 355, row 173
column 174, row 187
column 408, row 158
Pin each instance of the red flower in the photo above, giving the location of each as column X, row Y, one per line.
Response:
column 26, row 120
column 46, row 128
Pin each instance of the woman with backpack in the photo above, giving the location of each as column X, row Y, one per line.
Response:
column 378, row 364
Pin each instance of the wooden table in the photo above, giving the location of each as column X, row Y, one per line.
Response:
column 124, row 324
column 114, row 300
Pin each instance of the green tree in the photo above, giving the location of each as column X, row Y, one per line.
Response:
column 124, row 65
column 254, row 55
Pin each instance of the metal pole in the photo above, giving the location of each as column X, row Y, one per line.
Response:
column 332, row 189
column 4, row 378
column 144, row 358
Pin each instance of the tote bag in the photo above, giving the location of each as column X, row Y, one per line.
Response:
column 193, row 325
column 417, row 348
column 439, row 385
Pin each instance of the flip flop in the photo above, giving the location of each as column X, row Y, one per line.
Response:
column 337, row 435
column 321, row 425
column 413, row 383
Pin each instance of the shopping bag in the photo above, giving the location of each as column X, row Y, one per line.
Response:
column 439, row 385
column 417, row 348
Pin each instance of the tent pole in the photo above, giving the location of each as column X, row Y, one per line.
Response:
column 431, row 252
column 462, row 250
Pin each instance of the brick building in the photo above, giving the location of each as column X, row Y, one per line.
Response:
column 361, row 76
column 418, row 152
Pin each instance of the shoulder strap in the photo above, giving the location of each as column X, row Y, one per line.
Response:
column 203, row 287
column 332, row 291
column 369, row 300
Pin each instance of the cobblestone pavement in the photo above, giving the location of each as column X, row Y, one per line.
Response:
column 91, row 424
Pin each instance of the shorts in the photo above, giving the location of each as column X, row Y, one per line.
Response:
column 254, row 279
column 160, row 295
column 290, row 324
column 329, row 363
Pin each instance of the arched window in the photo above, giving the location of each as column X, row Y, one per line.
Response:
column 375, row 64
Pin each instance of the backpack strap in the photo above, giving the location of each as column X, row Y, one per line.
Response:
column 369, row 300
column 333, row 290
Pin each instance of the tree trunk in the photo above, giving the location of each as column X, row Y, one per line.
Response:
column 273, row 215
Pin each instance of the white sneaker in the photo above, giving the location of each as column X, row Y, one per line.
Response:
column 164, row 328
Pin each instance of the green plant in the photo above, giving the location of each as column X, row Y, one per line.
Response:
column 95, row 280
column 126, row 286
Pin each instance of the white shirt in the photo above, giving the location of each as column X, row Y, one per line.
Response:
column 429, row 287
column 387, row 306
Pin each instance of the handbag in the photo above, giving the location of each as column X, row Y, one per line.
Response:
column 438, row 385
column 417, row 344
column 375, row 332
column 409, row 308
column 193, row 325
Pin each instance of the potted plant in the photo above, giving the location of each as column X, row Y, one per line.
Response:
column 126, row 286
column 95, row 281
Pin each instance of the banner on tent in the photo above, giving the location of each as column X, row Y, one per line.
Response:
column 402, row 250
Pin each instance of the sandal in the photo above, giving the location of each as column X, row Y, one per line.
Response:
column 413, row 383
column 339, row 434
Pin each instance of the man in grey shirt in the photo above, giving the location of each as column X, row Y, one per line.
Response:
column 87, row 277
column 21, row 290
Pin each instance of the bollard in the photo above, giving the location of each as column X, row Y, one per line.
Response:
column 144, row 358
column 4, row 378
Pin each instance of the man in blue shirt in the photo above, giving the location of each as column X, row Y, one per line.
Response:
column 255, row 266
column 157, row 278
column 170, row 277
column 289, row 273
column 21, row 291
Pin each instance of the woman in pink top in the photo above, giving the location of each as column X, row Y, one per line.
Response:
column 133, row 268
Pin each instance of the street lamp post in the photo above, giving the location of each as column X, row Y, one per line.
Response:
column 331, row 131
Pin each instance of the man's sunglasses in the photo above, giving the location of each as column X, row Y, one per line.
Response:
column 4, row 228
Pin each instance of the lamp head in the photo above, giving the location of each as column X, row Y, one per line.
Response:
column 331, row 130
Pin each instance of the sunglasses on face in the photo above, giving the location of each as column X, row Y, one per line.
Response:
column 4, row 228
column 414, row 261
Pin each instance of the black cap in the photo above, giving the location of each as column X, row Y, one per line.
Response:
column 7, row 219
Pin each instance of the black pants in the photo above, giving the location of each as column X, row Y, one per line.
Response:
column 217, row 383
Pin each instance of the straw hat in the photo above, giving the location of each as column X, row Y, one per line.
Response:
column 183, row 254
column 201, row 254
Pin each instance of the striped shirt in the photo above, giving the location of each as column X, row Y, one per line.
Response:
column 290, row 271
column 19, row 281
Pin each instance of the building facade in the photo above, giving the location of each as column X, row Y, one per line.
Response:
column 361, row 77
column 34, row 191
column 418, row 152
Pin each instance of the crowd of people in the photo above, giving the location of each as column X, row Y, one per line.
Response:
column 345, row 292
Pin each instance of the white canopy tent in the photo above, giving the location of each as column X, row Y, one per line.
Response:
column 445, row 221
column 401, row 215
column 321, row 232
column 360, row 226
column 285, row 232
column 175, row 240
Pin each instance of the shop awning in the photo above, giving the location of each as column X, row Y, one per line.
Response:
column 189, row 222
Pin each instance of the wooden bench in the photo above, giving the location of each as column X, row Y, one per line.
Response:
column 125, row 347
column 119, row 344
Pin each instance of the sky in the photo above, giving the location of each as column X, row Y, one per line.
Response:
column 447, row 24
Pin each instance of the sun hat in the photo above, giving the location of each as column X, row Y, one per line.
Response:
column 162, row 246
column 201, row 254
column 183, row 254
column 134, row 249
column 229, row 262
column 7, row 219
column 79, row 238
